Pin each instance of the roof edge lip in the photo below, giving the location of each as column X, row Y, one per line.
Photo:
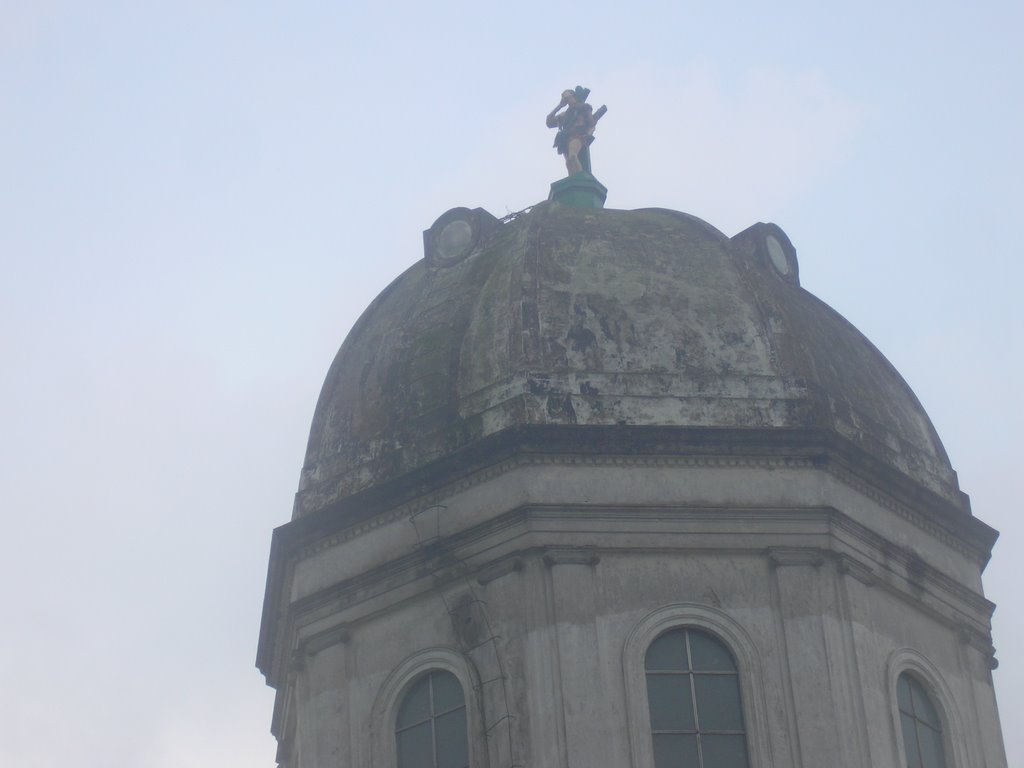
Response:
column 781, row 403
column 820, row 443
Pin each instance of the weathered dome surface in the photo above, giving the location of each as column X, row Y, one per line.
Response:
column 580, row 317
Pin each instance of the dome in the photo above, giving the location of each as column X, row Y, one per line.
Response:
column 614, row 329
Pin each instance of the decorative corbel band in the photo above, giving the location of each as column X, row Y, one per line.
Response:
column 971, row 637
column 847, row 566
column 784, row 556
column 313, row 644
column 499, row 569
column 570, row 556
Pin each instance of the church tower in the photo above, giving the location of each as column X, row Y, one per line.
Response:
column 602, row 488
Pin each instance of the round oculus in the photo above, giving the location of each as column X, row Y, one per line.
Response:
column 455, row 240
column 777, row 255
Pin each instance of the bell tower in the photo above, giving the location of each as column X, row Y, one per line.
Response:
column 592, row 487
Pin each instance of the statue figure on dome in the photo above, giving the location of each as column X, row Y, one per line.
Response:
column 575, row 128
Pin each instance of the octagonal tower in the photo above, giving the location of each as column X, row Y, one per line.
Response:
column 591, row 487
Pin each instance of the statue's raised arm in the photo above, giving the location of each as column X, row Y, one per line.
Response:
column 575, row 128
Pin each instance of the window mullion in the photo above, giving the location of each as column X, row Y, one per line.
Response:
column 433, row 723
column 722, row 700
column 444, row 697
column 693, row 700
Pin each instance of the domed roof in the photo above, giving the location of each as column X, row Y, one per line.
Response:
column 586, row 319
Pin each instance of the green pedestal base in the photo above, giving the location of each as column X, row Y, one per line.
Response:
column 580, row 190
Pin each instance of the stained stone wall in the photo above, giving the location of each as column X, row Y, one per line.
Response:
column 540, row 581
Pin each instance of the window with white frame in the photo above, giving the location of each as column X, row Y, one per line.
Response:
column 693, row 692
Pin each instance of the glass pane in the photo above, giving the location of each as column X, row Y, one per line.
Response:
column 909, row 726
column 415, row 749
column 709, row 655
column 723, row 751
column 903, row 694
column 674, row 751
column 718, row 703
column 923, row 707
column 668, row 652
column 447, row 692
column 452, row 744
column 932, row 754
column 416, row 705
column 669, row 699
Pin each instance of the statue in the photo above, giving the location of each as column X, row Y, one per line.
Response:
column 575, row 128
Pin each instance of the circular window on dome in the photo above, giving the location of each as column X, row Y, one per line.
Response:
column 455, row 240
column 777, row 255
column 780, row 254
column 455, row 235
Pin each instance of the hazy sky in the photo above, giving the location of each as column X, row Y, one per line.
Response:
column 197, row 199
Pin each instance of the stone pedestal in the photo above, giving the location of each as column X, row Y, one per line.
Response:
column 580, row 190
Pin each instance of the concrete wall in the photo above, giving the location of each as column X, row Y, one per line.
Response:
column 541, row 583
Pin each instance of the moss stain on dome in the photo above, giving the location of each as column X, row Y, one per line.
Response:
column 588, row 318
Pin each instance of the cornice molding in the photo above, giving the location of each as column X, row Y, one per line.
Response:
column 435, row 499
column 570, row 556
column 628, row 446
column 502, row 567
column 458, row 563
column 921, row 520
column 781, row 557
column 853, row 568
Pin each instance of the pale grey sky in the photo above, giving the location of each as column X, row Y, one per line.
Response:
column 197, row 199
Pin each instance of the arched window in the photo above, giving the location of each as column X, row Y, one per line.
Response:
column 920, row 723
column 430, row 730
column 693, row 693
